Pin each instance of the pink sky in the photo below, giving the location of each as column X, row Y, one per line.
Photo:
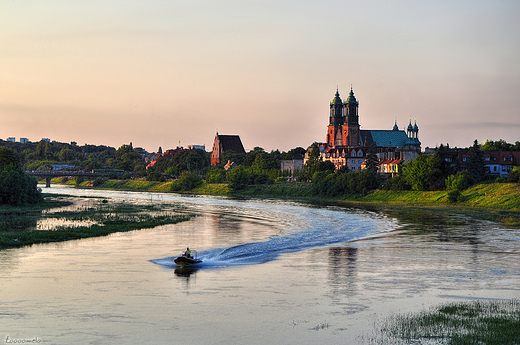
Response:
column 157, row 73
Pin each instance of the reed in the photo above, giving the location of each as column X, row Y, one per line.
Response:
column 90, row 219
column 478, row 322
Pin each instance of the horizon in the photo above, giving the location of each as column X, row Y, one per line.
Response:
column 162, row 73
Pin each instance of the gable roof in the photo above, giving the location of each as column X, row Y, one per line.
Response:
column 231, row 143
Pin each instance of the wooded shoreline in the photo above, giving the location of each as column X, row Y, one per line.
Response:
column 498, row 202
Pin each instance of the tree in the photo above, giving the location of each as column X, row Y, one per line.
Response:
column 312, row 164
column 514, row 175
column 371, row 162
column 425, row 173
column 475, row 163
column 238, row 177
column 187, row 181
column 16, row 187
column 460, row 181
column 499, row 145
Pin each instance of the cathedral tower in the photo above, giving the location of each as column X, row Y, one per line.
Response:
column 336, row 121
column 351, row 127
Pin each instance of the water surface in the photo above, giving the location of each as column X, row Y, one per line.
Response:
column 274, row 272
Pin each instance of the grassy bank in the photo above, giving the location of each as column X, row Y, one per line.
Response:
column 81, row 219
column 480, row 322
column 493, row 201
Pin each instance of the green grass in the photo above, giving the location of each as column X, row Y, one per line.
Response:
column 498, row 202
column 479, row 322
column 212, row 189
column 102, row 218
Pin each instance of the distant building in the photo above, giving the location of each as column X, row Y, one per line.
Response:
column 225, row 143
column 294, row 165
column 168, row 154
column 348, row 145
column 197, row 147
column 11, row 139
column 24, row 140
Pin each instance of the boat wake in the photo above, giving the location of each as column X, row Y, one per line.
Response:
column 317, row 232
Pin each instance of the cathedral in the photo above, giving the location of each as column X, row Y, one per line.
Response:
column 347, row 144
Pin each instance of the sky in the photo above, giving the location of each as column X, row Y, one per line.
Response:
column 169, row 72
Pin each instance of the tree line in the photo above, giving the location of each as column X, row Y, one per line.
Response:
column 42, row 155
column 16, row 187
column 189, row 168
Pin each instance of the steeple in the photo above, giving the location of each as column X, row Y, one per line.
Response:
column 336, row 110
column 352, row 108
column 409, row 130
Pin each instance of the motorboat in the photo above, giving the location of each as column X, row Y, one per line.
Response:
column 186, row 260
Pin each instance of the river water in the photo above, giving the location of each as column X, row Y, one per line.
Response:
column 273, row 272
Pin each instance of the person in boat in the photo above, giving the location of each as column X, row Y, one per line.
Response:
column 187, row 253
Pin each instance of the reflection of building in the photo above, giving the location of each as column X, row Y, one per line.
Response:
column 342, row 267
column 348, row 145
column 223, row 144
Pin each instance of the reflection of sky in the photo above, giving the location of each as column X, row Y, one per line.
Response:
column 256, row 68
column 106, row 289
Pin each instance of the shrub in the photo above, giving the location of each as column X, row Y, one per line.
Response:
column 98, row 182
column 187, row 181
column 459, row 181
column 238, row 177
column 454, row 195
column 514, row 175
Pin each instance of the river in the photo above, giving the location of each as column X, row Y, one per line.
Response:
column 273, row 272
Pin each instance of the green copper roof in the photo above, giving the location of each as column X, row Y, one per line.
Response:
column 389, row 138
column 351, row 98
column 336, row 99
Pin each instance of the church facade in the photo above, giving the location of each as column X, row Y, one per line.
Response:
column 348, row 145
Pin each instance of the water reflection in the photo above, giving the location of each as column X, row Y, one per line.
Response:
column 185, row 272
column 342, row 271
column 314, row 274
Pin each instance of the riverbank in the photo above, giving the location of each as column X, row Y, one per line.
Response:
column 63, row 218
column 498, row 202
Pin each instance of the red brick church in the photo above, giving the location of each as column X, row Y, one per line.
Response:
column 347, row 144
column 224, row 143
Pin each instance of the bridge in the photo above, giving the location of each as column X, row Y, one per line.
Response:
column 48, row 175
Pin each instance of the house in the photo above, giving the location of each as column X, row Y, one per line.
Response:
column 498, row 163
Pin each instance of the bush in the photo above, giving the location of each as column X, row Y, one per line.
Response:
column 459, row 181
column 238, row 177
column 396, row 183
column 514, row 175
column 98, row 182
column 187, row 181
column 215, row 175
column 454, row 196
